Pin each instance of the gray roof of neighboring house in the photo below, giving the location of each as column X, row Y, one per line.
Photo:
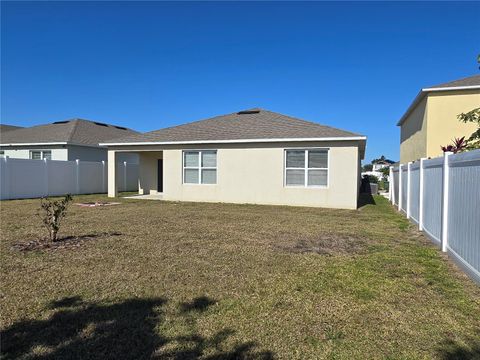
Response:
column 5, row 128
column 471, row 82
column 253, row 124
column 468, row 81
column 74, row 131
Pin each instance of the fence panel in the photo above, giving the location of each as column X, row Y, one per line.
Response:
column 25, row 178
column 449, row 215
column 414, row 196
column 464, row 208
column 404, row 188
column 62, row 177
column 395, row 185
column 132, row 177
column 92, row 177
column 432, row 198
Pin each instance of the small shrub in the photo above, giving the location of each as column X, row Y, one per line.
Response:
column 52, row 212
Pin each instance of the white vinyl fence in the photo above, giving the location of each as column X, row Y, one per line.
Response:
column 25, row 178
column 442, row 196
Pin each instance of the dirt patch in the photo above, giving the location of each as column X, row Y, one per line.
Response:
column 325, row 244
column 96, row 203
column 68, row 242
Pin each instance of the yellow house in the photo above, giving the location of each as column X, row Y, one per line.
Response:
column 253, row 156
column 431, row 120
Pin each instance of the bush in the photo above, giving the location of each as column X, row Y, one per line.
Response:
column 53, row 213
column 371, row 179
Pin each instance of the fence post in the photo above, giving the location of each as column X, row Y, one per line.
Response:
column 391, row 193
column 77, row 187
column 124, row 176
column 6, row 184
column 103, row 176
column 420, row 196
column 400, row 187
column 445, row 201
column 45, row 178
column 409, row 165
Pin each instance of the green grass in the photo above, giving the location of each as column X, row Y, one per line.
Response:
column 221, row 281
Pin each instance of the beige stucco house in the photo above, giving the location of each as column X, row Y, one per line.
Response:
column 253, row 156
column 431, row 120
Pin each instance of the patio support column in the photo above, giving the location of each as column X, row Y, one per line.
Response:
column 112, row 174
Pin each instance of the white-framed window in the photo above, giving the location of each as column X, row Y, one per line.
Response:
column 200, row 166
column 306, row 167
column 40, row 154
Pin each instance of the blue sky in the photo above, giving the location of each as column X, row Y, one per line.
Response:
column 149, row 65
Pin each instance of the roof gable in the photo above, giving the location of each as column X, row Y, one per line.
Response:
column 468, row 83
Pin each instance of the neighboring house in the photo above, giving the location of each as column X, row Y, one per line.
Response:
column 253, row 156
column 431, row 120
column 378, row 165
column 63, row 140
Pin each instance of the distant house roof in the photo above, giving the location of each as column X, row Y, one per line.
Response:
column 254, row 125
column 5, row 128
column 74, row 131
column 468, row 83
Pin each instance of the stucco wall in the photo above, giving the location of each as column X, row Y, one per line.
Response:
column 413, row 134
column 20, row 152
column 85, row 153
column 434, row 123
column 254, row 173
column 443, row 125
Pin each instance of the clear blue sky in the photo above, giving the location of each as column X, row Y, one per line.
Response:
column 356, row 66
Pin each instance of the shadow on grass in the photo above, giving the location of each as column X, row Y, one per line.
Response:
column 365, row 199
column 125, row 330
column 452, row 350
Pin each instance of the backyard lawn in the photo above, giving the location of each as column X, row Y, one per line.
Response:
column 151, row 279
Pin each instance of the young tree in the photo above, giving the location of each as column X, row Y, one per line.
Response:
column 53, row 213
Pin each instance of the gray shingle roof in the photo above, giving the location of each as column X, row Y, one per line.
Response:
column 245, row 125
column 468, row 81
column 75, row 131
column 5, row 128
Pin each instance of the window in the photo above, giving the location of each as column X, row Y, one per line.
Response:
column 200, row 167
column 41, row 154
column 2, row 154
column 306, row 167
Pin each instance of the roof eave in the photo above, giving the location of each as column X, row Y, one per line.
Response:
column 425, row 91
column 53, row 143
column 236, row 141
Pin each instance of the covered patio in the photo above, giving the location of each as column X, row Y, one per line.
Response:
column 150, row 172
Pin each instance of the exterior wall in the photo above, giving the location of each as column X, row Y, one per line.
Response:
column 413, row 134
column 254, row 173
column 20, row 152
column 443, row 125
column 69, row 152
column 434, row 123
column 87, row 153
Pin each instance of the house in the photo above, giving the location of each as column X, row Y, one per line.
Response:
column 431, row 120
column 253, row 156
column 62, row 140
column 381, row 164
